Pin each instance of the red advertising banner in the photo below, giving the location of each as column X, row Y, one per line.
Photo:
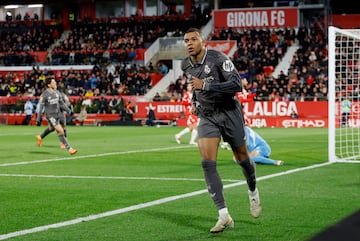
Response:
column 284, row 108
column 163, row 110
column 287, row 122
column 260, row 113
column 257, row 18
column 224, row 46
column 172, row 110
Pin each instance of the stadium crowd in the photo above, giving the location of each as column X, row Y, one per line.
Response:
column 259, row 50
column 110, row 49
column 307, row 75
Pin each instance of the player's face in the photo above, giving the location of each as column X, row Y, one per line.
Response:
column 52, row 84
column 244, row 82
column 193, row 43
column 189, row 87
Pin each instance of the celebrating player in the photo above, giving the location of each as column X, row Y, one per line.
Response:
column 215, row 82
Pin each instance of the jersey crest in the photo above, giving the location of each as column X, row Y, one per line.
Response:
column 207, row 69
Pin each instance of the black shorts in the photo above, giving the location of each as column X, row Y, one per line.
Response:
column 227, row 123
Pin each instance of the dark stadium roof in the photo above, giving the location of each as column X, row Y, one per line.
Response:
column 6, row 2
column 337, row 6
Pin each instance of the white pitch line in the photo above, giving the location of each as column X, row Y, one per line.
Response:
column 107, row 177
column 144, row 205
column 94, row 155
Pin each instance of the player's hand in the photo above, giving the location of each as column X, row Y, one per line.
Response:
column 38, row 123
column 196, row 83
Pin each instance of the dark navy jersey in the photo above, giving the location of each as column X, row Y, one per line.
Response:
column 221, row 78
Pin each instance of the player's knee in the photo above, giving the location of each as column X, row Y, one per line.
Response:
column 208, row 164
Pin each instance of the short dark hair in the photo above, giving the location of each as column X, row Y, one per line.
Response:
column 49, row 79
column 190, row 30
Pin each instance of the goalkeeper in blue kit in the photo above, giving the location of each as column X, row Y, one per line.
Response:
column 259, row 149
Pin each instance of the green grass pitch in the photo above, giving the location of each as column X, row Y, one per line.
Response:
column 137, row 183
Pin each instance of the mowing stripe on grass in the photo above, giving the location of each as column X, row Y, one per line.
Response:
column 144, row 205
column 95, row 155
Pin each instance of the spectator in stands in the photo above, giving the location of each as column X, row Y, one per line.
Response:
column 293, row 114
column 27, row 16
column 28, row 110
column 93, row 81
column 151, row 67
column 87, row 101
column 82, row 116
column 157, row 97
column 130, row 111
column 163, row 68
column 18, row 17
column 302, row 34
column 147, row 82
column 8, row 16
column 113, row 104
column 36, row 17
column 39, row 112
column 103, row 105
column 110, row 70
column 131, row 54
column 13, row 89
column 4, row 90
column 150, row 116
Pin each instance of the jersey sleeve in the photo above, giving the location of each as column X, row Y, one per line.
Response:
column 63, row 106
column 230, row 81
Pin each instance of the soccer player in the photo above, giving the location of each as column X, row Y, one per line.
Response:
column 191, row 119
column 215, row 81
column 345, row 111
column 28, row 109
column 62, row 116
column 53, row 105
column 244, row 96
column 259, row 149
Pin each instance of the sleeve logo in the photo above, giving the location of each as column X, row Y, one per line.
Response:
column 228, row 66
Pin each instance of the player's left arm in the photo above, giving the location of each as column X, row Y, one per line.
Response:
column 229, row 82
column 63, row 106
